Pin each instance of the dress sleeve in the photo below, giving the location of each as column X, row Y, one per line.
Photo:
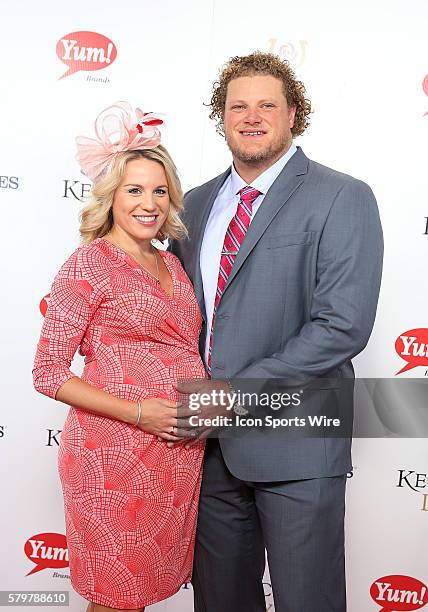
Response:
column 69, row 312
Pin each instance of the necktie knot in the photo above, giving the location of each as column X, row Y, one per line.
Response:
column 248, row 194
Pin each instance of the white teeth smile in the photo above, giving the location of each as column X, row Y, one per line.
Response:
column 143, row 219
column 252, row 133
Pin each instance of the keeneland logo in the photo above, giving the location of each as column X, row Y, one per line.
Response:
column 412, row 346
column 9, row 182
column 416, row 481
column 52, row 437
column 76, row 189
column 47, row 550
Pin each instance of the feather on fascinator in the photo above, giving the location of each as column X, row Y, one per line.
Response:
column 118, row 128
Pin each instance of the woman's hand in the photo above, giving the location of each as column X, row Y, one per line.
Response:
column 165, row 419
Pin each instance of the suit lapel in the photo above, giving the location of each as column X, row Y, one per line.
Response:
column 288, row 181
column 199, row 231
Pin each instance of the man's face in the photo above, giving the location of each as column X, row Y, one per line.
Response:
column 257, row 119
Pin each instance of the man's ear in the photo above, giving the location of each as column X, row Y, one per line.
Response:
column 291, row 116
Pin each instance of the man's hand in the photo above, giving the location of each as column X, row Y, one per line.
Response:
column 205, row 399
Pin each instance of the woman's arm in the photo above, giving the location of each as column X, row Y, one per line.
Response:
column 158, row 416
column 72, row 305
column 77, row 392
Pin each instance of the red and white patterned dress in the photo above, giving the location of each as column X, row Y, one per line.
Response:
column 130, row 501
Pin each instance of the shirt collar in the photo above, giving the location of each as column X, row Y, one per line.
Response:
column 263, row 182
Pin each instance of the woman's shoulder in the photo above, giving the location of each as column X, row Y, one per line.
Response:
column 88, row 260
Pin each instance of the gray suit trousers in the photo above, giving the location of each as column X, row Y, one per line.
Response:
column 300, row 523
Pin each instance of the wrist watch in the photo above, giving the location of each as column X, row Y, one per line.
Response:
column 237, row 408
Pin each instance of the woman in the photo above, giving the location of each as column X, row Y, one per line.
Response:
column 130, row 501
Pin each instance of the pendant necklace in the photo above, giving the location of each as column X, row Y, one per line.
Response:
column 156, row 278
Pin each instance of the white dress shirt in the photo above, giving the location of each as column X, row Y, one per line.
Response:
column 222, row 213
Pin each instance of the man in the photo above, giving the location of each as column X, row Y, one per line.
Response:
column 285, row 256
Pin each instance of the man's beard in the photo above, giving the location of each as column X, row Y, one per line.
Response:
column 272, row 151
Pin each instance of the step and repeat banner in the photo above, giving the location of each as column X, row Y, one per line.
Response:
column 365, row 65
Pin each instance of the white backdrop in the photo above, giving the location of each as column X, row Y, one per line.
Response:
column 364, row 64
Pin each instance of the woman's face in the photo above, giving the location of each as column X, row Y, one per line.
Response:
column 141, row 200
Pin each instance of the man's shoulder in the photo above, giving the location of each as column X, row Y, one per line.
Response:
column 335, row 179
column 330, row 187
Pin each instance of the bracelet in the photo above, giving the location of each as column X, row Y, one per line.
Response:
column 139, row 414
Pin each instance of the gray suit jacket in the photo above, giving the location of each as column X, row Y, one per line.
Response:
column 300, row 301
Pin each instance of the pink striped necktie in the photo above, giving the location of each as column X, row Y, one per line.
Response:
column 233, row 239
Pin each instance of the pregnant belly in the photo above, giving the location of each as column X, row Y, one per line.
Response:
column 139, row 378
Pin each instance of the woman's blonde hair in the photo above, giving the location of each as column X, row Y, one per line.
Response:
column 96, row 218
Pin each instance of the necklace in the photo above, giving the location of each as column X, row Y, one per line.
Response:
column 156, row 278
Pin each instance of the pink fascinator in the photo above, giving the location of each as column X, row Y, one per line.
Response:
column 118, row 128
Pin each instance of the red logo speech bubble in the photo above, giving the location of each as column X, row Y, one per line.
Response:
column 85, row 51
column 47, row 550
column 44, row 303
column 396, row 593
column 412, row 346
column 425, row 88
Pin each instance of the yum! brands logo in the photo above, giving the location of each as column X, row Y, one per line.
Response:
column 47, row 550
column 412, row 346
column 85, row 51
column 425, row 88
column 395, row 593
column 44, row 302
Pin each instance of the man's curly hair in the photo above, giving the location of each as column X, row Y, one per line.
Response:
column 259, row 63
